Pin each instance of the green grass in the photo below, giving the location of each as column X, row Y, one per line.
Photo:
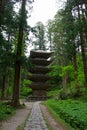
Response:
column 73, row 112
column 5, row 111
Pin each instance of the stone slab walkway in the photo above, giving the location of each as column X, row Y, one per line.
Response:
column 36, row 120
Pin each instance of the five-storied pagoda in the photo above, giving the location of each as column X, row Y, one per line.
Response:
column 40, row 60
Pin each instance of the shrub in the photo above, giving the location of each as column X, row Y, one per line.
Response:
column 5, row 111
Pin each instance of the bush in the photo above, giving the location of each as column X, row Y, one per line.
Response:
column 25, row 91
column 55, row 73
column 5, row 111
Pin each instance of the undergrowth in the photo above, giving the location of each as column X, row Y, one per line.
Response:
column 73, row 112
column 6, row 111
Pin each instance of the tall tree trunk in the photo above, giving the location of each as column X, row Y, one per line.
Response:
column 75, row 61
column 85, row 21
column 75, row 69
column 85, row 1
column 2, row 6
column 64, row 82
column 50, row 42
column 3, row 87
column 82, row 45
column 7, row 85
column 75, row 64
column 5, row 82
column 16, row 88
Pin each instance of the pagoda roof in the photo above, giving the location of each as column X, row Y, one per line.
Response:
column 40, row 54
column 39, row 77
column 40, row 61
column 39, row 86
column 39, row 69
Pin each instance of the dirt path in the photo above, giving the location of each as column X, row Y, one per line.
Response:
column 37, row 120
column 52, row 122
column 18, row 118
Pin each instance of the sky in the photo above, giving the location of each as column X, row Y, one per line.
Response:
column 43, row 10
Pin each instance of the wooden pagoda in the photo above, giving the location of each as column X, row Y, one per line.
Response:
column 40, row 61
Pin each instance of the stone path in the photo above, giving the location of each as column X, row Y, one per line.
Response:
column 36, row 120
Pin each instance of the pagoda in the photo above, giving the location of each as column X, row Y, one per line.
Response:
column 40, row 60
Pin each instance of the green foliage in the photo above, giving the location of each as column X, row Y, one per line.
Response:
column 55, row 73
column 74, row 87
column 26, row 82
column 7, row 35
column 65, row 30
column 5, row 111
column 53, row 92
column 81, row 79
column 39, row 40
column 80, row 72
column 56, row 70
column 73, row 112
column 25, row 90
column 68, row 71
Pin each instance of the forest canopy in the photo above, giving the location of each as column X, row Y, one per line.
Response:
column 65, row 35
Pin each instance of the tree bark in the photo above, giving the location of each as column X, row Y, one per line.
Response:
column 85, row 1
column 3, row 87
column 75, row 63
column 2, row 6
column 64, row 82
column 16, row 88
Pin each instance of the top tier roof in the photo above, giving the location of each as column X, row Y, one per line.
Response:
column 40, row 54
